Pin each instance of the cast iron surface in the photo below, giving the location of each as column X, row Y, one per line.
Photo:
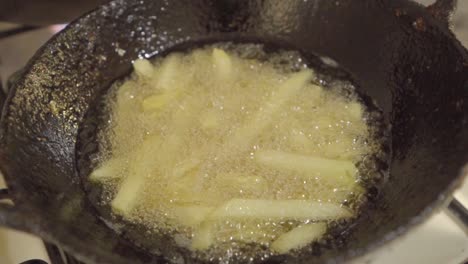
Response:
column 401, row 56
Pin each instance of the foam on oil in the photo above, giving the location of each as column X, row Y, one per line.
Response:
column 184, row 140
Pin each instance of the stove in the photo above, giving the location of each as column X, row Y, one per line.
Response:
column 440, row 239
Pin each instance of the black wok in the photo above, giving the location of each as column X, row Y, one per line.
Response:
column 401, row 55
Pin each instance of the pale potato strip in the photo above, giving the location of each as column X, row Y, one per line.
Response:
column 342, row 172
column 109, row 169
column 280, row 209
column 143, row 68
column 355, row 109
column 168, row 72
column 131, row 187
column 187, row 165
column 299, row 237
column 222, row 63
column 243, row 137
column 182, row 120
column 191, row 215
column 159, row 101
column 210, row 120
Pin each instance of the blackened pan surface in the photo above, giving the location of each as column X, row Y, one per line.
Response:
column 403, row 58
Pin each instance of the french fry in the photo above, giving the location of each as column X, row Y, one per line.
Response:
column 125, row 92
column 203, row 237
column 338, row 195
column 209, row 120
column 191, row 215
column 129, row 190
column 241, row 179
column 183, row 190
column 184, row 167
column 182, row 120
column 201, row 160
column 336, row 172
column 355, row 109
column 131, row 187
column 280, row 209
column 244, row 135
column 166, row 82
column 109, row 169
column 222, row 63
column 158, row 102
column 168, row 72
column 143, row 68
column 299, row 237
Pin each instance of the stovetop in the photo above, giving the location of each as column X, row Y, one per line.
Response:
column 438, row 240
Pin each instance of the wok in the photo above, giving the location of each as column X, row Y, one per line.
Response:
column 401, row 54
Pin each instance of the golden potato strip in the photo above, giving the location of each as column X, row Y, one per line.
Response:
column 299, row 237
column 341, row 172
column 280, row 209
column 131, row 188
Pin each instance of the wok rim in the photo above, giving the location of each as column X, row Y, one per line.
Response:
column 86, row 253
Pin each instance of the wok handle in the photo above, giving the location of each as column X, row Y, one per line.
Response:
column 442, row 10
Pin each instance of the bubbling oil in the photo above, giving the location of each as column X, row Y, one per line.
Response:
column 211, row 146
